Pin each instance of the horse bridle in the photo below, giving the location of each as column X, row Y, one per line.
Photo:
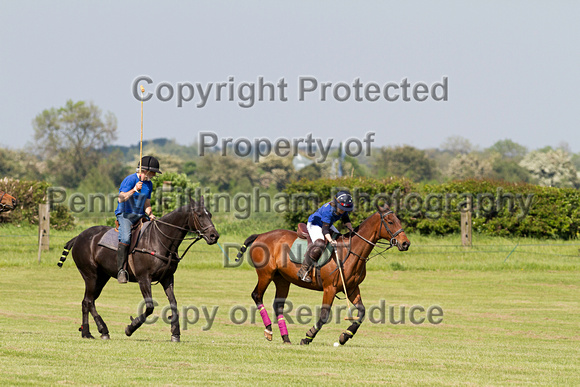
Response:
column 392, row 241
column 198, row 230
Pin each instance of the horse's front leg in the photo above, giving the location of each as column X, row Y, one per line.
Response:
column 356, row 299
column 145, row 285
column 327, row 299
column 168, row 287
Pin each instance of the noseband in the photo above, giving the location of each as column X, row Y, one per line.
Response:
column 392, row 241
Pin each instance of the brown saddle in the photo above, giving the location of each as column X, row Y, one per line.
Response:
column 302, row 231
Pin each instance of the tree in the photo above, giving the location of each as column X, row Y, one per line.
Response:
column 227, row 172
column 553, row 168
column 469, row 166
column 404, row 161
column 19, row 164
column 71, row 139
column 457, row 145
column 510, row 171
column 508, row 149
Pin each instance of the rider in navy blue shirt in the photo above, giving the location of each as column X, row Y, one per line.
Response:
column 134, row 204
column 319, row 226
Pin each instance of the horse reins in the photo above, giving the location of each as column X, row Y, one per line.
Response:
column 392, row 241
column 197, row 229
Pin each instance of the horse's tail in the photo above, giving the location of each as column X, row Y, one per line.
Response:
column 65, row 251
column 246, row 244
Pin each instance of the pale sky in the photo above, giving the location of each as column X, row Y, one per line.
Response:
column 512, row 67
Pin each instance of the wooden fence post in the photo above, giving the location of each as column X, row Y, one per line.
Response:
column 466, row 224
column 43, row 228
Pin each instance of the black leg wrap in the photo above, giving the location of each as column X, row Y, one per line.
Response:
column 305, row 341
column 348, row 334
column 310, row 335
column 101, row 326
column 85, row 332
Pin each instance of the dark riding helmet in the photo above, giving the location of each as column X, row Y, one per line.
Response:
column 150, row 163
column 343, row 200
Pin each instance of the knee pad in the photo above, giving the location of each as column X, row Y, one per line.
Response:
column 317, row 248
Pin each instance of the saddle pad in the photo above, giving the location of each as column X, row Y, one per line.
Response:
column 298, row 249
column 111, row 238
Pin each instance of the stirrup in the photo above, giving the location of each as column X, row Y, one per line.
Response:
column 122, row 276
column 304, row 277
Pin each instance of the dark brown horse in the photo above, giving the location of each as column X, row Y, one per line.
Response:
column 7, row 202
column 269, row 254
column 155, row 259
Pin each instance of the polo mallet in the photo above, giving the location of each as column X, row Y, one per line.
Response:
column 141, row 140
column 349, row 317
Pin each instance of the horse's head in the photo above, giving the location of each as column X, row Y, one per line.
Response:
column 391, row 229
column 7, row 202
column 200, row 221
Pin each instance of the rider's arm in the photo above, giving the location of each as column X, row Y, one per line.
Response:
column 326, row 232
column 124, row 196
column 346, row 221
column 148, row 209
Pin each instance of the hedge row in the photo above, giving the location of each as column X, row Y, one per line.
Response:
column 29, row 195
column 499, row 208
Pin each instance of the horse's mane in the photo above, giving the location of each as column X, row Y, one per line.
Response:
column 357, row 228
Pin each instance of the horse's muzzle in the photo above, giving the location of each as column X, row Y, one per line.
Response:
column 211, row 237
column 404, row 246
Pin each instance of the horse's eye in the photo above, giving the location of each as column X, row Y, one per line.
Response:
column 390, row 222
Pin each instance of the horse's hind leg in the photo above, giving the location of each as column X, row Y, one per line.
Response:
column 145, row 285
column 86, row 305
column 102, row 280
column 327, row 299
column 264, row 280
column 282, row 287
column 356, row 299
column 93, row 287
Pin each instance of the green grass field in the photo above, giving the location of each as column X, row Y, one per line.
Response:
column 508, row 319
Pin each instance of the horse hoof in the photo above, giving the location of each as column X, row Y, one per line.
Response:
column 89, row 336
column 305, row 342
column 268, row 335
column 175, row 339
column 287, row 342
column 128, row 330
column 106, row 337
column 343, row 339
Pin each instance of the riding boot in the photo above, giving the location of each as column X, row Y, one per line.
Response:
column 122, row 254
column 312, row 255
column 303, row 273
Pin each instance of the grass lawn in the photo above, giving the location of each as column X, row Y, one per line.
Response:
column 507, row 319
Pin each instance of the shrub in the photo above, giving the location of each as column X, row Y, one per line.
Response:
column 30, row 194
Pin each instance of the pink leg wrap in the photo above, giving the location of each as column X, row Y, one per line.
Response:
column 282, row 325
column 264, row 315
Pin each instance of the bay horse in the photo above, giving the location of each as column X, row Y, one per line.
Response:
column 7, row 202
column 154, row 259
column 269, row 255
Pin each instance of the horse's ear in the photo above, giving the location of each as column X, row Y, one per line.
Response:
column 383, row 208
